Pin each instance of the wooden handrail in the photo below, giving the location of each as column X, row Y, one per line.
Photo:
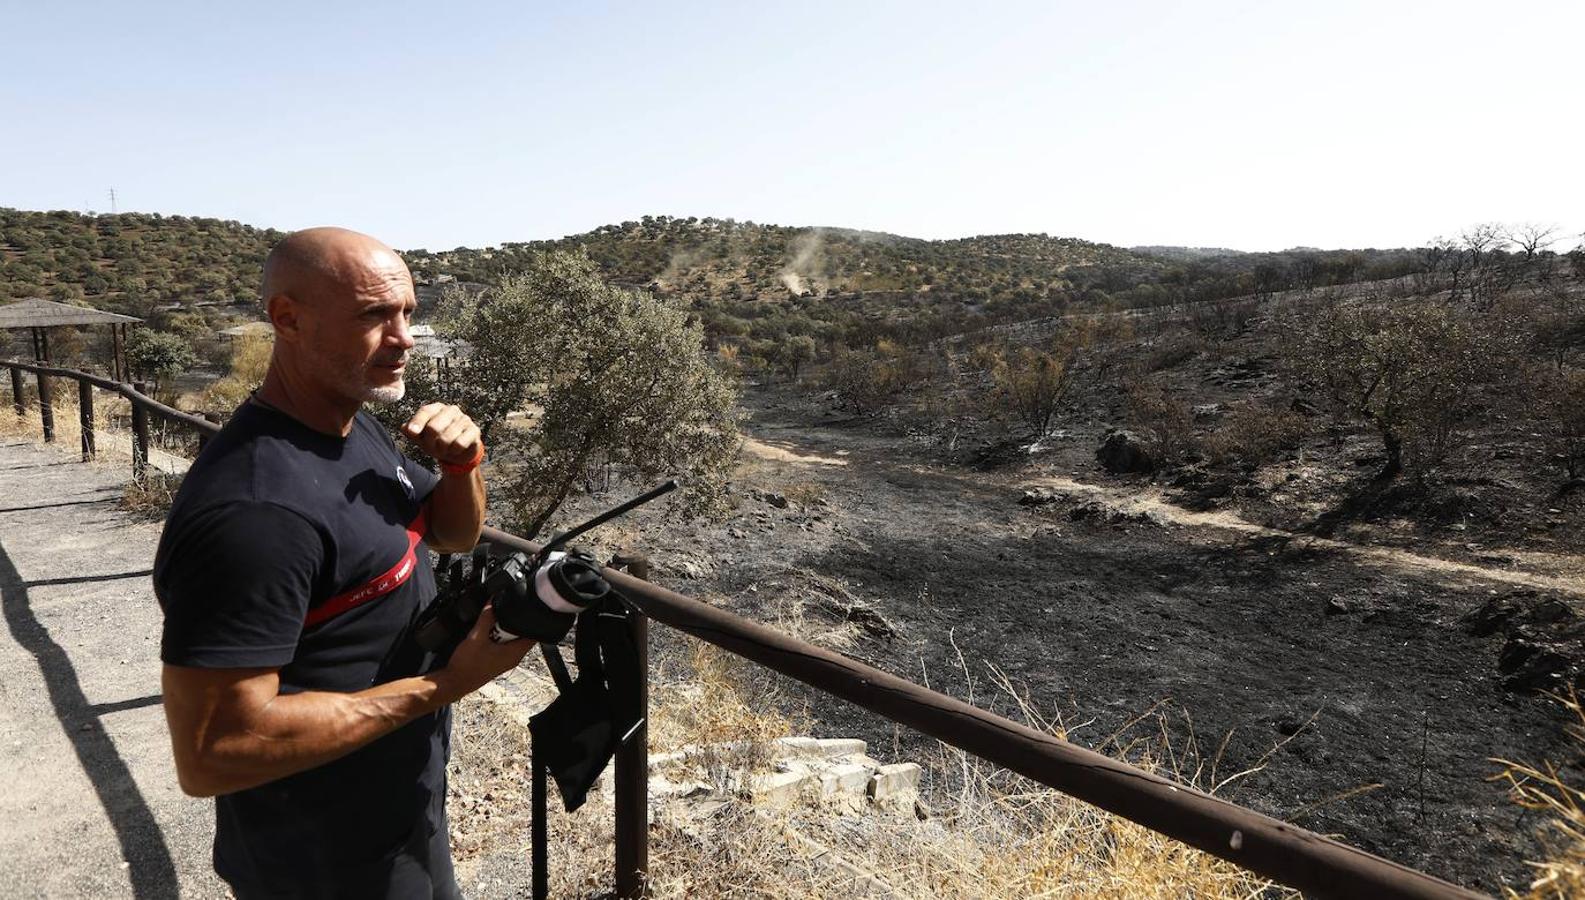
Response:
column 167, row 413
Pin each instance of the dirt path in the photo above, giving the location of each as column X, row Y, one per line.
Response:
column 90, row 806
column 1150, row 503
column 778, row 453
column 1567, row 573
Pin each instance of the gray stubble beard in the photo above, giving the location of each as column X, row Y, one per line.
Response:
column 389, row 394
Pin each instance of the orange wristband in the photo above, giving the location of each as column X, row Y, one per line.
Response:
column 464, row 468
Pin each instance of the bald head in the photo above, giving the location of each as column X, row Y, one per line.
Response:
column 314, row 263
column 341, row 303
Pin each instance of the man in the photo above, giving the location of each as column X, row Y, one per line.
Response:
column 292, row 567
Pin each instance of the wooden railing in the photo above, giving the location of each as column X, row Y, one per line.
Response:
column 142, row 407
column 1316, row 865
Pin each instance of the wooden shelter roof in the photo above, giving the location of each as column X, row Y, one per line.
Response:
column 249, row 329
column 35, row 312
column 441, row 348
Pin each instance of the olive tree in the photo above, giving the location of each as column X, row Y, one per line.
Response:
column 599, row 375
column 159, row 355
column 793, row 353
column 1416, row 374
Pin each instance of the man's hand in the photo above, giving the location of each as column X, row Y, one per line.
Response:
column 445, row 433
column 456, row 507
column 477, row 660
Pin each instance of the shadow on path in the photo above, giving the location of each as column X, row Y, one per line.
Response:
column 47, row 465
column 83, row 579
column 143, row 846
column 105, row 709
column 12, row 509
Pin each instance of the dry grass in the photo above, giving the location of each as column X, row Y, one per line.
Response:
column 173, row 446
column 804, row 493
column 1561, row 874
column 707, row 704
column 1256, row 434
column 28, row 424
column 250, row 359
column 150, row 497
column 988, row 833
column 489, row 781
column 63, row 407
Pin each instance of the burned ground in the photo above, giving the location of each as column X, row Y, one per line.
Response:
column 1353, row 683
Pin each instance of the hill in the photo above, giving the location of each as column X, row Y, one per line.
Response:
column 129, row 262
column 748, row 282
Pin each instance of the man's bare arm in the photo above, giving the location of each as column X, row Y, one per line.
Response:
column 232, row 729
column 456, row 512
column 457, row 505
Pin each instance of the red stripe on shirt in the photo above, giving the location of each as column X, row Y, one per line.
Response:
column 376, row 587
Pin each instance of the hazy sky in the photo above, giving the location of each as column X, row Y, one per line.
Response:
column 1248, row 125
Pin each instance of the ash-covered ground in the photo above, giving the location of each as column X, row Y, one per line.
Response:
column 1360, row 680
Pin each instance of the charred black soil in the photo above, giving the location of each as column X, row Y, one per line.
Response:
column 1369, row 705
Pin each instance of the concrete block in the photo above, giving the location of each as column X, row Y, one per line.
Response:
column 662, row 789
column 849, row 777
column 805, row 745
column 895, row 787
column 828, row 748
column 845, row 785
column 783, row 789
column 832, row 748
column 874, row 765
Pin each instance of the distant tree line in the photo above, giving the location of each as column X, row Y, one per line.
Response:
column 762, row 293
column 131, row 263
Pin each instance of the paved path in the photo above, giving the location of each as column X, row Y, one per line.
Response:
column 89, row 805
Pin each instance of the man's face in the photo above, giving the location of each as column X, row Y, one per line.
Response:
column 357, row 336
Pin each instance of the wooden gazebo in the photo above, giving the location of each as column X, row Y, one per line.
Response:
column 248, row 330
column 38, row 316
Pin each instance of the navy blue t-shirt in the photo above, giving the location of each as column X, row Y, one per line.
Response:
column 286, row 547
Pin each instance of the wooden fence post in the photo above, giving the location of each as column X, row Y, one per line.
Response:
column 632, row 767
column 140, row 434
column 85, row 417
column 203, row 436
column 16, row 393
column 46, row 411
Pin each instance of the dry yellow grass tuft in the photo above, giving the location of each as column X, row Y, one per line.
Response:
column 28, row 424
column 987, row 833
column 805, row 492
column 250, row 358
column 150, row 497
column 173, row 445
column 1561, row 874
column 707, row 709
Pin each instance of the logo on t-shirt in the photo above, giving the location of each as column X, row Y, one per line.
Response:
column 407, row 483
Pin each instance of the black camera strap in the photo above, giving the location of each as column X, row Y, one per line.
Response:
column 577, row 734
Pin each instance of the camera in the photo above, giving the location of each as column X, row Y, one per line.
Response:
column 536, row 597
